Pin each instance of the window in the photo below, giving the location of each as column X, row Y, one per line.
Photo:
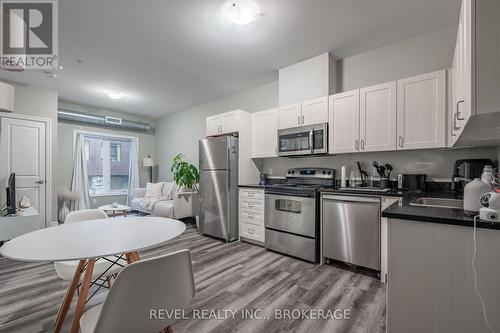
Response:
column 87, row 150
column 107, row 162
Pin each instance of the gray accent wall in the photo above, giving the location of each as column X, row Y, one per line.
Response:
column 180, row 132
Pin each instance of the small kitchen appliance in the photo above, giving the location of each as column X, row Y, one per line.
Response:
column 491, row 207
column 412, row 182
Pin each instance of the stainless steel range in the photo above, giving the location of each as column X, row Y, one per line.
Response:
column 292, row 212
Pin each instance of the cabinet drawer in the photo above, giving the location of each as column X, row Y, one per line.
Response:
column 251, row 216
column 251, row 194
column 252, row 205
column 258, row 222
column 252, row 231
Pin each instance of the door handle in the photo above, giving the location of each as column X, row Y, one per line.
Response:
column 457, row 114
column 356, row 144
column 228, row 169
column 401, row 142
column 362, row 144
column 40, row 182
column 311, row 133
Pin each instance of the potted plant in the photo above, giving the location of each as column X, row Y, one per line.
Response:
column 186, row 176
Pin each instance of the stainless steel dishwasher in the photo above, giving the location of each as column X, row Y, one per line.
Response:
column 350, row 229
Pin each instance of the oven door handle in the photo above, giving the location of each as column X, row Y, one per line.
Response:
column 311, row 138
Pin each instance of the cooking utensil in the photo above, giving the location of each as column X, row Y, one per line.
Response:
column 362, row 173
column 382, row 171
column 377, row 167
column 389, row 168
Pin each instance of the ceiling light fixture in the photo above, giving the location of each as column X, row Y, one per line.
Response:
column 242, row 12
column 114, row 94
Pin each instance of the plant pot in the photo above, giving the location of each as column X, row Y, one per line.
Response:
column 63, row 211
column 197, row 217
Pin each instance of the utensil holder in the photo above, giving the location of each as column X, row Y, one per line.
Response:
column 384, row 182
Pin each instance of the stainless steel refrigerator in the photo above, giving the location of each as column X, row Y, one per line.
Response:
column 219, row 187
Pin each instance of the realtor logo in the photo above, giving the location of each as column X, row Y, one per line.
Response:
column 28, row 34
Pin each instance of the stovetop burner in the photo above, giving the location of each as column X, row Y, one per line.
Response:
column 305, row 181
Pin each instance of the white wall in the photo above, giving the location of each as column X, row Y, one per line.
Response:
column 418, row 55
column 181, row 131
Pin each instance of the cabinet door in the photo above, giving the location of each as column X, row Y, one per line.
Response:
column 422, row 111
column 463, row 104
column 315, row 111
column 290, row 115
column 378, row 117
column 264, row 133
column 214, row 125
column 343, row 126
column 230, row 122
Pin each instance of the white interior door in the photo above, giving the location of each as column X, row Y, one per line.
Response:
column 378, row 130
column 23, row 151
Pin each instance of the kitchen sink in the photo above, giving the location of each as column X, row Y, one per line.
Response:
column 438, row 202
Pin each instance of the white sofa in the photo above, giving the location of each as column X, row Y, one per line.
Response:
column 178, row 205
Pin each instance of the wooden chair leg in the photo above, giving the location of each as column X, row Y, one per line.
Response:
column 68, row 297
column 75, row 327
column 169, row 329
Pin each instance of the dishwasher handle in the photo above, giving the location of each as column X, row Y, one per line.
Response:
column 346, row 198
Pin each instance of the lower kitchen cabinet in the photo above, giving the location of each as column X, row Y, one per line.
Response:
column 251, row 215
column 431, row 281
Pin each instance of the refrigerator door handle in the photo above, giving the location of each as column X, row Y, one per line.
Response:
column 228, row 169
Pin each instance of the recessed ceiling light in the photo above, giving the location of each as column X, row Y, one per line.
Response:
column 242, row 12
column 114, row 94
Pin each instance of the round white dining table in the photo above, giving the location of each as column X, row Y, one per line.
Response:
column 87, row 241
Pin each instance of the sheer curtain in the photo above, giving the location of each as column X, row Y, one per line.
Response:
column 79, row 181
column 133, row 180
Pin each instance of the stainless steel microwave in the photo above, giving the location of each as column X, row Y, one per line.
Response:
column 303, row 140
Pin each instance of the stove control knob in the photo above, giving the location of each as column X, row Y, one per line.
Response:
column 289, row 172
column 293, row 171
column 324, row 172
column 329, row 173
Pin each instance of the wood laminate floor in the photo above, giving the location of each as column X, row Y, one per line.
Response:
column 233, row 282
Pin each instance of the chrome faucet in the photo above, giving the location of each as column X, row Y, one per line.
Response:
column 454, row 180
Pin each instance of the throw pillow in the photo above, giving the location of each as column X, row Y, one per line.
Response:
column 153, row 190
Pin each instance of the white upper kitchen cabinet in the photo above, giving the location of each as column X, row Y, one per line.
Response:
column 290, row 115
column 230, row 122
column 315, row 111
column 421, row 111
column 264, row 133
column 343, row 125
column 378, row 130
column 308, row 79
column 223, row 123
column 213, row 124
column 475, row 108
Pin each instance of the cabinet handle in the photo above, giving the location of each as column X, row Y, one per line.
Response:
column 452, row 131
column 311, row 141
column 251, row 231
column 251, row 205
column 455, row 126
column 362, row 144
column 298, row 120
column 457, row 114
column 356, row 145
column 250, row 215
column 401, row 142
column 302, row 119
column 250, row 194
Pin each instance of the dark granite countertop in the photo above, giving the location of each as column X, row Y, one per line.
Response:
column 255, row 186
column 404, row 211
column 349, row 190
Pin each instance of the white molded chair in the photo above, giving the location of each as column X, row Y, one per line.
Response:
column 66, row 269
column 164, row 282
